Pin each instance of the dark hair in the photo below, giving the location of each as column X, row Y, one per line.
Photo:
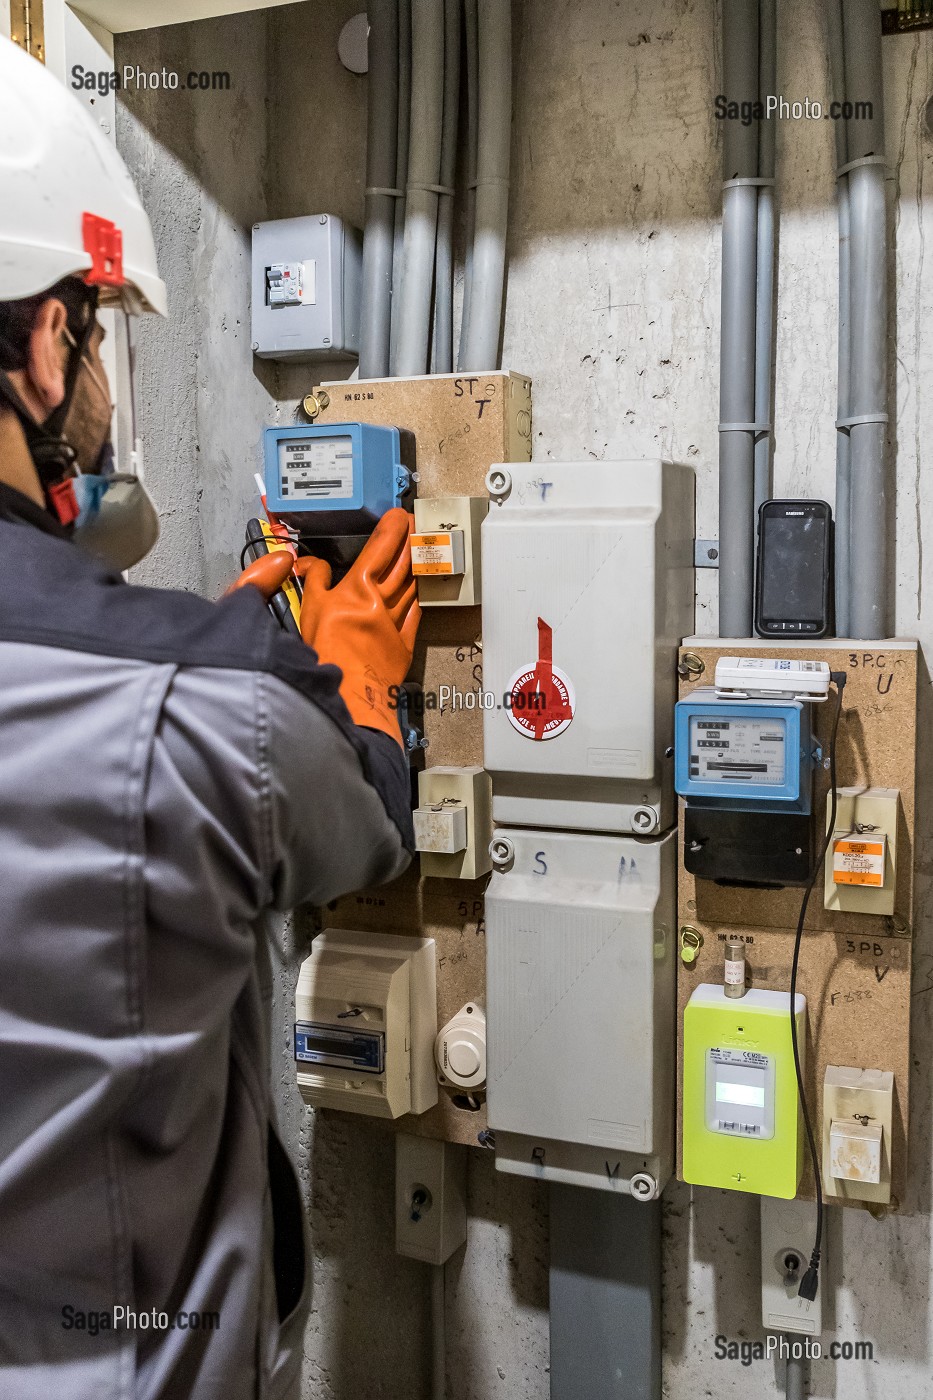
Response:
column 17, row 318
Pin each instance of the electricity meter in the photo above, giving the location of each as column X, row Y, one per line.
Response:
column 335, row 478
column 741, row 1117
column 745, row 768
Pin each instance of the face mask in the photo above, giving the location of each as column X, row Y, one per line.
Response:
column 117, row 521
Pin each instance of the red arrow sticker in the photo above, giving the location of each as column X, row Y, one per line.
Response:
column 541, row 698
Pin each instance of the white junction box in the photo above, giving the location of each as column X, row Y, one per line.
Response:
column 588, row 588
column 860, row 874
column 445, row 550
column 430, row 1198
column 366, row 1022
column 786, row 1242
column 453, row 822
column 581, row 1008
column 858, row 1115
column 306, row 287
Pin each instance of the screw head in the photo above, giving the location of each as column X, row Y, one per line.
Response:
column 255, row 345
column 644, row 819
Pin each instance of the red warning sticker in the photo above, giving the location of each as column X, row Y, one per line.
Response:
column 541, row 699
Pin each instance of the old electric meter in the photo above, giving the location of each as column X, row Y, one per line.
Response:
column 746, row 770
column 335, row 478
column 741, row 1117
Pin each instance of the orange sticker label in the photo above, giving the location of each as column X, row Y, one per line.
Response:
column 857, row 862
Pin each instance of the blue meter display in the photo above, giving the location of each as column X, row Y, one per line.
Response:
column 334, row 478
column 745, row 753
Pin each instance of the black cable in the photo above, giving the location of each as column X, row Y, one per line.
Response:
column 810, row 1281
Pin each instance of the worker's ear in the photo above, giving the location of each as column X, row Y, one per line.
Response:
column 41, row 385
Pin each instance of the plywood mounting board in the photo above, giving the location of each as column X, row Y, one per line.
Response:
column 855, row 968
column 462, row 425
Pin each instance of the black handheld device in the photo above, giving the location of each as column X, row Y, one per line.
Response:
column 793, row 593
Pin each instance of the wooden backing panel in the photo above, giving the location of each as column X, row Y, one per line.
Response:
column 462, row 425
column 855, row 969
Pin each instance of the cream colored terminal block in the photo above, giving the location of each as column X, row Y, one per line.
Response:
column 453, row 822
column 445, row 550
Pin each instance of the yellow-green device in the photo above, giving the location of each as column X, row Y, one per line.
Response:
column 742, row 1126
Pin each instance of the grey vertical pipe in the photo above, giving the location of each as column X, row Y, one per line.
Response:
column 438, row 1334
column 605, row 1296
column 471, row 36
column 868, row 308
column 764, row 321
column 381, row 155
column 424, row 168
column 737, row 336
column 833, row 12
column 795, row 1376
column 401, row 169
column 481, row 348
column 444, row 272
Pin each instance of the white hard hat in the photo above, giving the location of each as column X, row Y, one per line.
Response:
column 68, row 206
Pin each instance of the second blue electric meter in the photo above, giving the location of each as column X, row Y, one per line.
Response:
column 743, row 751
column 334, row 478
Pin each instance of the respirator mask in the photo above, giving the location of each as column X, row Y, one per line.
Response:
column 116, row 517
column 108, row 513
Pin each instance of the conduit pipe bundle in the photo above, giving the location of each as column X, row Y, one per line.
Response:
column 861, row 473
column 381, row 156
column 746, row 368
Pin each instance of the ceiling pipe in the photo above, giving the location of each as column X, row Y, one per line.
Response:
column 833, row 11
column 868, row 323
column 424, row 163
column 740, row 34
column 484, row 328
column 381, row 155
column 471, row 56
column 444, row 270
column 401, row 171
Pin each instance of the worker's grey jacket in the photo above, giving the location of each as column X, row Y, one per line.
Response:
column 169, row 770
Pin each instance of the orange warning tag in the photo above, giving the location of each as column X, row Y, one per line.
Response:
column 440, row 553
column 859, row 862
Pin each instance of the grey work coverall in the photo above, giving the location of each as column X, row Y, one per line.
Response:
column 169, row 770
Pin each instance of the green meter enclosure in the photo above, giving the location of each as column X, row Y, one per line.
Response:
column 742, row 1128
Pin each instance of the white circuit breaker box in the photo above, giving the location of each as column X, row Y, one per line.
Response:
column 581, row 999
column 588, row 588
column 366, row 1022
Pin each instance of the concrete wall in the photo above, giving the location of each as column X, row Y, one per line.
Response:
column 613, row 309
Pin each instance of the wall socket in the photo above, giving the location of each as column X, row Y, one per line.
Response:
column 786, row 1244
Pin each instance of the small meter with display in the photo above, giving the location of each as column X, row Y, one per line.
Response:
column 334, row 478
column 743, row 752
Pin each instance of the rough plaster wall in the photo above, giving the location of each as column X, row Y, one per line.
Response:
column 613, row 308
column 199, row 160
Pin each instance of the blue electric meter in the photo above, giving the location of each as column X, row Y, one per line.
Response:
column 334, row 478
column 742, row 751
column 745, row 768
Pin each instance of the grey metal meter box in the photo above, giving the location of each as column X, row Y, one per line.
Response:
column 306, row 289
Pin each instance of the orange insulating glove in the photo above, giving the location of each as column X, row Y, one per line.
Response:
column 367, row 624
column 267, row 573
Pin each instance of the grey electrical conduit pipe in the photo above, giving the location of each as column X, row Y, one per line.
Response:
column 764, row 272
column 795, row 1377
column 868, row 325
column 381, row 191
column 401, row 169
column 737, row 429
column 833, row 11
column 471, row 37
column 481, row 341
column 444, row 270
column 424, row 168
column 438, row 1334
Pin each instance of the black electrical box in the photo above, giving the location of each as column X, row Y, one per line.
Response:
column 766, row 850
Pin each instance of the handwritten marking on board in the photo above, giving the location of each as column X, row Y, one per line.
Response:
column 850, row 998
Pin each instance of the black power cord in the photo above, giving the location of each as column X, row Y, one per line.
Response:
column 811, row 1279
